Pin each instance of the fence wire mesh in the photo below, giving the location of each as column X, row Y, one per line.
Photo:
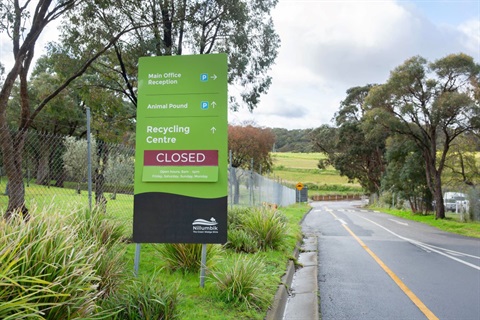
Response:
column 249, row 188
column 54, row 173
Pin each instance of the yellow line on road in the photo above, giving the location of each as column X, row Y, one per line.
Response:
column 429, row 314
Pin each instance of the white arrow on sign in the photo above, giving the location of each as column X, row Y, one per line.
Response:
column 214, row 77
column 213, row 129
column 214, row 104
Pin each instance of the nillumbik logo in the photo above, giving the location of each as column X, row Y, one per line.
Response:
column 205, row 226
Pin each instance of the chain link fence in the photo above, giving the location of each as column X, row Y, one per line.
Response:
column 54, row 172
column 249, row 188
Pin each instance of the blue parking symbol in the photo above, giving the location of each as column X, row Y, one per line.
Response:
column 204, row 105
column 204, row 77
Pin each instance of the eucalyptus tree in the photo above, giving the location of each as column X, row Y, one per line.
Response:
column 242, row 29
column 356, row 146
column 23, row 22
column 405, row 174
column 462, row 169
column 432, row 104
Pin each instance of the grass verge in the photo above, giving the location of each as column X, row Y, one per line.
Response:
column 451, row 223
column 219, row 298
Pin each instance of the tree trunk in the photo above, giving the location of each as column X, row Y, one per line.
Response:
column 43, row 169
column 439, row 205
column 60, row 178
column 102, row 157
column 12, row 150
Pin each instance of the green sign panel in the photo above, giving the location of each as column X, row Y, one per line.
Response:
column 181, row 150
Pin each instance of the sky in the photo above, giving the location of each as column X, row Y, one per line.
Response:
column 328, row 47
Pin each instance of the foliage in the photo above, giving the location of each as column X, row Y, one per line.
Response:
column 242, row 29
column 146, row 298
column 355, row 147
column 268, row 227
column 462, row 167
column 297, row 140
column 119, row 171
column 52, row 271
column 248, row 143
column 75, row 158
column 239, row 238
column 109, row 238
column 241, row 241
column 431, row 104
column 405, row 174
column 254, row 229
column 241, row 281
column 186, row 256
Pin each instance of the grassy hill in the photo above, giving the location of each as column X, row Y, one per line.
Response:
column 293, row 167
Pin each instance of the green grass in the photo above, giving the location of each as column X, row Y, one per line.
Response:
column 291, row 168
column 451, row 223
column 193, row 301
column 193, row 296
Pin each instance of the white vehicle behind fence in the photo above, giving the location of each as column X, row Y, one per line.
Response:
column 456, row 202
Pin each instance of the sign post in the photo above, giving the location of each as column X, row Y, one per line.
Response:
column 180, row 191
column 299, row 188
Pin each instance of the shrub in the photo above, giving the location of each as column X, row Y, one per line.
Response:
column 108, row 238
column 186, row 256
column 144, row 299
column 254, row 229
column 241, row 241
column 241, row 281
column 268, row 227
column 236, row 216
column 55, row 266
column 51, row 254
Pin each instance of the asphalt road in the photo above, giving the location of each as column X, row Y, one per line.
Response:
column 376, row 266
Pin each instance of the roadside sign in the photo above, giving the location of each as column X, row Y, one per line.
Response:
column 180, row 191
column 299, row 186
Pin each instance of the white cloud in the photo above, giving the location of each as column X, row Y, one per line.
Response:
column 330, row 46
column 471, row 36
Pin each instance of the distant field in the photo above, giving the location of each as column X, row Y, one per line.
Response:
column 293, row 167
column 296, row 160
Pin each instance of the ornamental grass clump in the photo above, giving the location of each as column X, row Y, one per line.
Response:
column 241, row 240
column 186, row 256
column 146, row 298
column 52, row 268
column 49, row 253
column 109, row 239
column 267, row 226
column 20, row 296
column 256, row 229
column 241, row 281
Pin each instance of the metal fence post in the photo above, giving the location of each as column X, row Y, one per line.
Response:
column 89, row 161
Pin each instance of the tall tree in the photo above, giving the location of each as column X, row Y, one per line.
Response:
column 242, row 29
column 14, row 14
column 432, row 104
column 24, row 29
column 356, row 147
column 249, row 144
column 405, row 174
